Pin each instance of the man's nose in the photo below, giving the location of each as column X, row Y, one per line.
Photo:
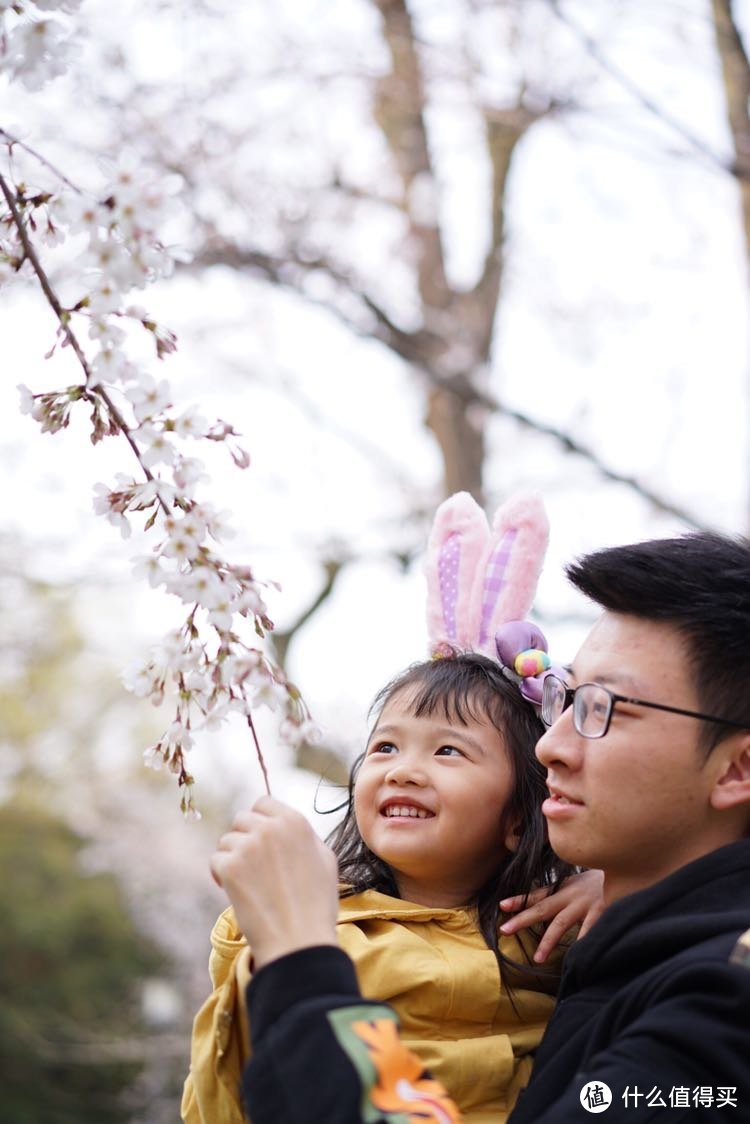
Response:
column 561, row 744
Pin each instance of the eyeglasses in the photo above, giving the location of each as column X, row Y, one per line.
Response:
column 593, row 706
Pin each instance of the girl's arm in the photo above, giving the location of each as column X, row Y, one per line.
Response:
column 219, row 1045
column 322, row 1053
column 579, row 899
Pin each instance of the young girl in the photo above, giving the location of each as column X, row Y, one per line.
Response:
column 442, row 823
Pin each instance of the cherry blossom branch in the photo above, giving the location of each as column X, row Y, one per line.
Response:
column 31, row 256
column 210, row 666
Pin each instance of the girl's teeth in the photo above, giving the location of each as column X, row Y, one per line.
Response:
column 403, row 810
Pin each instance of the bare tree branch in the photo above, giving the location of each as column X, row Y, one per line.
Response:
column 458, row 390
column 400, row 114
column 470, row 395
column 282, row 638
column 504, row 129
column 290, row 271
column 318, row 759
column 698, row 144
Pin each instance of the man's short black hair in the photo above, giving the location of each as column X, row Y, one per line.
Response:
column 698, row 583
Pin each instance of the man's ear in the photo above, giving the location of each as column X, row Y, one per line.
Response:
column 732, row 786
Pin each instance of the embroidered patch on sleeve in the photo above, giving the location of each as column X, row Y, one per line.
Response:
column 741, row 951
column 395, row 1085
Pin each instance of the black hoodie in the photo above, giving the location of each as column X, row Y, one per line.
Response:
column 652, row 1007
column 651, row 1004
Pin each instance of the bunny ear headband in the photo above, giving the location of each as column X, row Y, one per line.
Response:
column 481, row 582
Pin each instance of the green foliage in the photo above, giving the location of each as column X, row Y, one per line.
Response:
column 70, row 962
column 40, row 645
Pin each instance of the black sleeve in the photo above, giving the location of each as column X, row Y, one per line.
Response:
column 683, row 1061
column 322, row 1053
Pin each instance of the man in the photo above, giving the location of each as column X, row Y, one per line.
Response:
column 648, row 759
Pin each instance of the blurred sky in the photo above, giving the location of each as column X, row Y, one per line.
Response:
column 623, row 320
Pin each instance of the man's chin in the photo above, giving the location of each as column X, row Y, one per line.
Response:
column 568, row 846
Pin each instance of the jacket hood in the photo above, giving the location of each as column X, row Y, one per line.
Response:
column 372, row 904
column 641, row 929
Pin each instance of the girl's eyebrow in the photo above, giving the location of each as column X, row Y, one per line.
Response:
column 450, row 733
column 388, row 728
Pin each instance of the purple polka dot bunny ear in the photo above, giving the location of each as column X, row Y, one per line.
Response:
column 479, row 578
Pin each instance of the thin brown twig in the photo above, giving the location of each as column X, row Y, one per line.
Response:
column 259, row 752
column 38, row 156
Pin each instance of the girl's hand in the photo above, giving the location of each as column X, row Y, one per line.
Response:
column 578, row 899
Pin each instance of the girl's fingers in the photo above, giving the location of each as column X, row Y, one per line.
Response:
column 542, row 911
column 552, row 936
column 542, row 906
column 520, row 901
column 592, row 916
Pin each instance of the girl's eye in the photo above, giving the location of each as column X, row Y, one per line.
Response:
column 383, row 747
column 449, row 751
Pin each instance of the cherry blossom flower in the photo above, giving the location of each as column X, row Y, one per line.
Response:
column 107, row 366
column 106, row 333
column 300, row 733
column 38, row 51
column 200, row 586
column 63, row 5
column 190, row 424
column 27, row 400
column 153, row 758
column 139, row 680
column 150, row 568
column 149, row 397
column 187, row 473
column 157, row 447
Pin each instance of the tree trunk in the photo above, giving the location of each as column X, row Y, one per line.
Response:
column 735, row 70
column 459, row 324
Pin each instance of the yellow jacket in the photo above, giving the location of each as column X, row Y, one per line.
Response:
column 435, row 969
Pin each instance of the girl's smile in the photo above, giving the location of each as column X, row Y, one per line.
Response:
column 401, row 807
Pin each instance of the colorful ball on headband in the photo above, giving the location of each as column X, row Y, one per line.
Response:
column 531, row 662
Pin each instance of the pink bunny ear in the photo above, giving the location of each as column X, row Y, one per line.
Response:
column 458, row 542
column 509, row 571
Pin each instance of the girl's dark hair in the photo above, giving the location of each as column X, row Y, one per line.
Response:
column 469, row 686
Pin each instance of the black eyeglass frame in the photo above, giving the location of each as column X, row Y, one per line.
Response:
column 570, row 694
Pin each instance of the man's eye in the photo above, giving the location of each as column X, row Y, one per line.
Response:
column 449, row 751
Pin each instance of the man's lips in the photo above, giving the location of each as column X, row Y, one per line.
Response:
column 404, row 808
column 559, row 803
